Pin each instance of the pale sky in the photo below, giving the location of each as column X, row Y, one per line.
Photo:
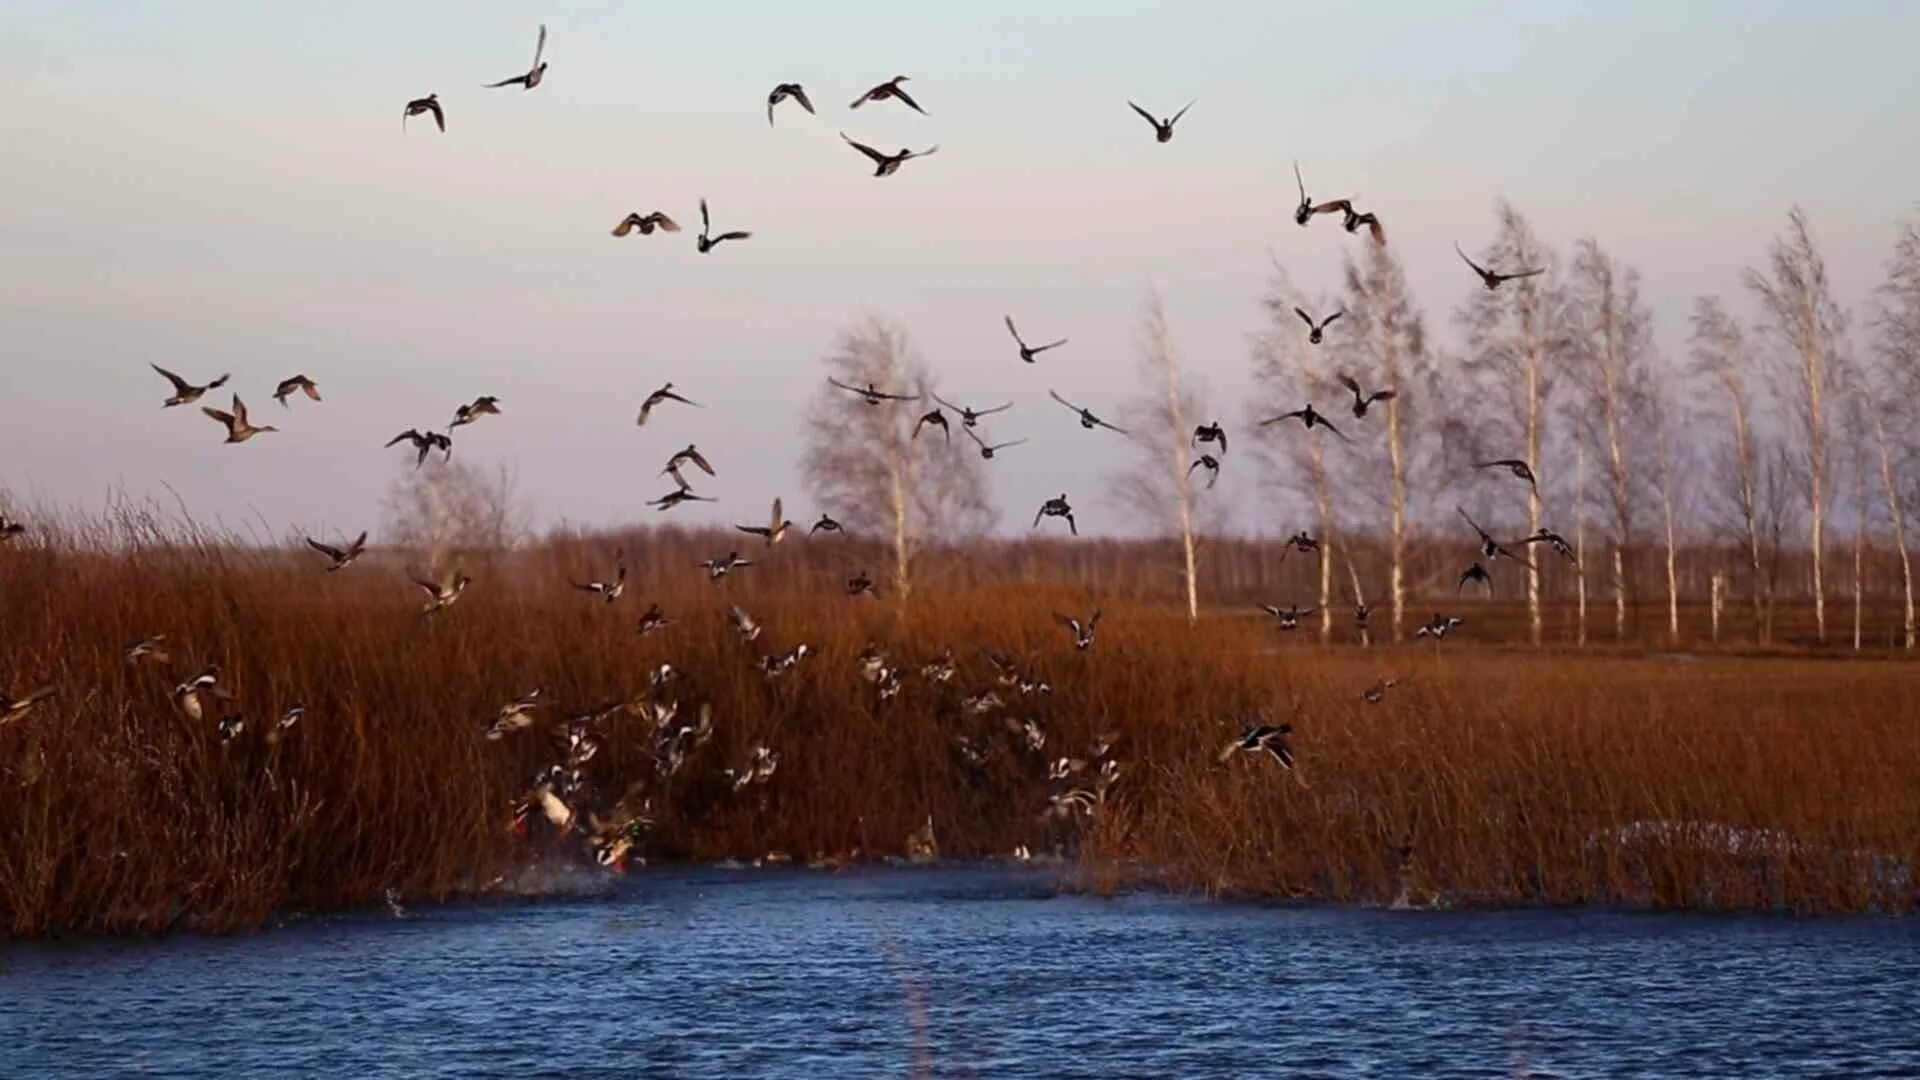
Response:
column 220, row 186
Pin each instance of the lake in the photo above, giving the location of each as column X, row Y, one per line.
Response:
column 968, row 971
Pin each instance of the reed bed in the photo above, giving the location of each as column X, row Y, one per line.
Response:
column 1487, row 775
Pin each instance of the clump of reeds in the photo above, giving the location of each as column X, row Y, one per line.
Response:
column 1483, row 777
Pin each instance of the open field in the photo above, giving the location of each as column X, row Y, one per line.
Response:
column 1485, row 775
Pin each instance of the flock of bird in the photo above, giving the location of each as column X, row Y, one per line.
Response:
column 563, row 791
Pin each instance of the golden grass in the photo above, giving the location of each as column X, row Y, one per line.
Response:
column 1513, row 776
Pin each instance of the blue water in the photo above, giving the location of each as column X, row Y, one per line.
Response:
column 975, row 971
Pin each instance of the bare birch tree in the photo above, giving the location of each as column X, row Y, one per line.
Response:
column 1798, row 312
column 1516, row 334
column 1720, row 355
column 1609, row 364
column 866, row 468
column 1163, row 488
column 441, row 508
column 1897, row 374
column 1669, row 470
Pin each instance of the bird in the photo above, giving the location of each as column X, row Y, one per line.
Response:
column 515, row 715
column 534, row 74
column 774, row 531
column 1478, row 573
column 775, row 665
column 1059, row 508
column 825, row 524
column 784, row 91
column 425, row 443
column 10, row 528
column 870, row 395
column 442, row 594
column 484, row 405
column 987, row 450
column 1513, row 465
column 706, row 243
column 1087, row 419
column 652, row 619
column 1316, row 330
column 609, row 591
column 184, row 392
column 937, row 419
column 428, row 104
column 1162, row 129
column 287, row 722
column 340, row 558
column 238, row 430
column 1288, row 617
column 1271, row 738
column 297, row 382
column 16, row 708
column 721, row 567
column 1351, row 219
column 1492, row 279
column 230, row 726
column 971, row 417
column 1302, row 542
column 677, row 496
column 889, row 89
column 186, row 696
column 1304, row 211
column 1361, row 399
column 1439, row 626
column 1082, row 631
column 691, row 455
column 1555, row 540
column 1209, row 463
column 860, row 584
column 664, row 394
column 1214, row 433
column 1375, row 694
column 646, row 223
column 151, row 649
column 888, row 164
column 1028, row 352
column 1490, row 548
column 744, row 624
column 1308, row 417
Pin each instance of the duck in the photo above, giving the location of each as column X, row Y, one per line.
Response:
column 1317, row 330
column 888, row 164
column 1162, row 129
column 971, row 417
column 646, row 224
column 870, row 395
column 484, row 405
column 230, row 726
column 1211, row 433
column 1209, row 463
column 1310, row 418
column 664, row 394
column 1267, row 737
column 516, row 715
column 937, row 419
column 744, row 624
column 429, row 104
column 1302, row 542
column 759, row 768
column 289, row 386
column 1492, row 279
column 1439, row 626
column 721, row 567
column 1362, row 400
column 677, row 496
column 424, row 442
column 1082, row 632
column 825, row 524
column 1352, row 219
column 442, row 594
column 1302, row 212
column 238, row 429
column 1087, row 419
column 1288, row 617
column 534, row 74
column 609, row 591
column 774, row 665
column 1515, row 466
column 10, row 528
column 1554, row 540
column 1028, row 352
column 340, row 558
column 184, row 392
column 1060, row 508
column 186, row 696
column 1478, row 573
column 153, row 650
column 1490, row 548
column 1375, row 694
column 774, row 531
column 653, row 619
column 704, row 242
column 889, row 89
column 784, row 91
column 17, row 708
column 689, row 456
column 940, row 668
column 860, row 584
column 987, row 449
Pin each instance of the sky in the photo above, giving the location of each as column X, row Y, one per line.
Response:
column 226, row 186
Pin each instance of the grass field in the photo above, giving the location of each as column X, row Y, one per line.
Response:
column 1489, row 774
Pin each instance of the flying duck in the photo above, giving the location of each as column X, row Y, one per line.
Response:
column 774, row 531
column 1513, row 465
column 677, row 496
column 937, row 419
column 653, row 619
column 609, row 591
column 870, row 395
column 1082, row 632
column 888, row 164
column 646, row 223
column 1478, row 573
column 484, row 405
column 1492, row 549
column 1360, row 399
column 1308, row 417
column 1209, row 463
column 860, row 584
column 744, row 624
column 1317, row 330
column 774, row 665
column 1555, row 540
column 1162, row 129
column 825, row 524
column 184, row 392
column 340, row 558
column 691, row 455
column 1057, row 508
column 1087, row 419
column 238, row 430
column 971, row 417
column 1303, row 212
column 515, row 715
column 1439, row 626
column 1288, row 617
column 1302, row 542
column 425, row 443
column 706, row 243
column 1375, row 694
column 987, row 449
column 721, row 567
column 665, row 393
column 16, row 708
column 784, row 91
column 1351, row 219
column 1028, row 352
column 1214, row 433
column 534, row 74
column 297, row 382
column 1492, row 279
column 889, row 89
column 10, row 528
column 151, row 649
column 442, row 594
column 186, row 696
column 1271, row 738
column 428, row 104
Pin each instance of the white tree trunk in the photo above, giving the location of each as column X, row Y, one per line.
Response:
column 1898, row 519
column 1533, row 496
column 1323, row 503
column 1673, row 558
column 1397, row 519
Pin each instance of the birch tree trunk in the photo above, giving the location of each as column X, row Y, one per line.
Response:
column 1894, row 512
column 1580, row 544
